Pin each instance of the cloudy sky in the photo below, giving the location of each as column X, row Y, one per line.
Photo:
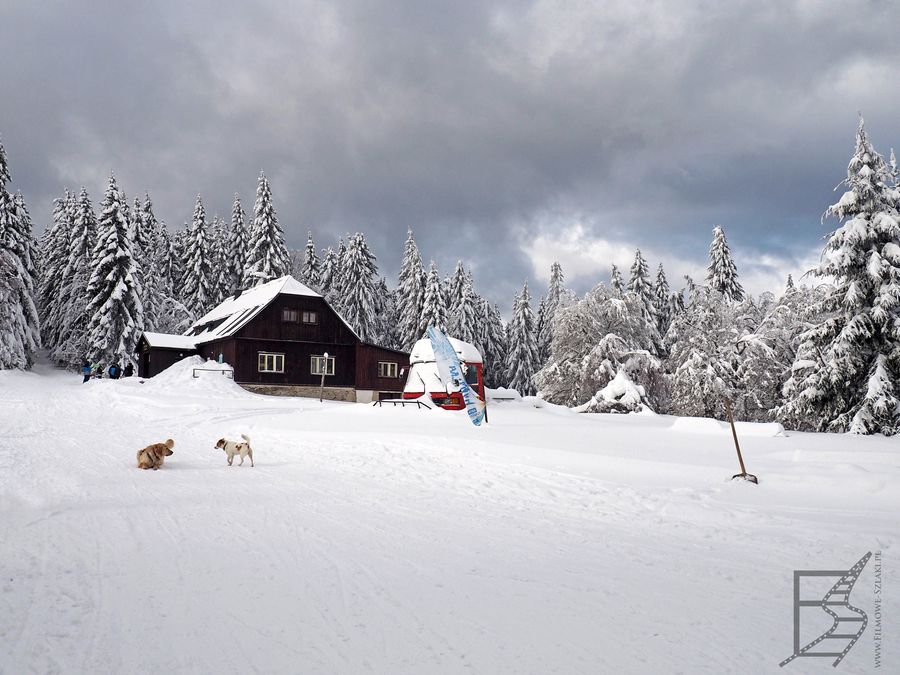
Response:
column 508, row 134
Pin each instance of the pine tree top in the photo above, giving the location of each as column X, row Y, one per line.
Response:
column 722, row 273
column 4, row 167
column 616, row 280
column 866, row 182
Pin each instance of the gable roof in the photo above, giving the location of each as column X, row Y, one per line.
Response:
column 237, row 311
column 233, row 313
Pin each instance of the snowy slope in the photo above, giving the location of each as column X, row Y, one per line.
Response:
column 372, row 540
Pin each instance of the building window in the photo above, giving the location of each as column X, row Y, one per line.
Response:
column 387, row 369
column 310, row 317
column 290, row 315
column 271, row 363
column 321, row 365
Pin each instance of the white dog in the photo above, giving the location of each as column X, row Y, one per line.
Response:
column 233, row 448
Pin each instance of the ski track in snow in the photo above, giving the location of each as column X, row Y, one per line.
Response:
column 372, row 540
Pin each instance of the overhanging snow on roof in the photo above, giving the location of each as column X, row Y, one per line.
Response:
column 422, row 351
column 167, row 341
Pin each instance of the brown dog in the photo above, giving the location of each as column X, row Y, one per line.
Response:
column 153, row 456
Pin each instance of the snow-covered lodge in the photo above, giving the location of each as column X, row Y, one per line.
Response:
column 276, row 336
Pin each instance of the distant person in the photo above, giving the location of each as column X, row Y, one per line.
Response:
column 86, row 371
column 128, row 371
column 114, row 372
column 98, row 371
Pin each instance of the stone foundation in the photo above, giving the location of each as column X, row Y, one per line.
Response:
column 304, row 391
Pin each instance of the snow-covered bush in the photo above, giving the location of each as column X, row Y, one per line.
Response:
column 621, row 394
column 593, row 339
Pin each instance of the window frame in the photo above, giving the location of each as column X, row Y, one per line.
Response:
column 262, row 362
column 290, row 311
column 392, row 366
column 316, row 359
column 312, row 314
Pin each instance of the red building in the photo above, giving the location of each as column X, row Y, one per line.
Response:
column 276, row 336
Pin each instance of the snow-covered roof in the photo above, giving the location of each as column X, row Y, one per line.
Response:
column 235, row 312
column 166, row 341
column 423, row 353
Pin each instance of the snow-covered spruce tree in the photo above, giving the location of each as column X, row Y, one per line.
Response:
column 434, row 311
column 593, row 339
column 557, row 296
column 616, row 281
column 454, row 289
column 310, row 272
column 236, row 250
column 676, row 305
column 268, row 258
column 847, row 365
column 218, row 255
column 116, row 316
column 168, row 313
column 30, row 253
column 55, row 252
column 661, row 301
column 197, row 281
column 640, row 285
column 493, row 345
column 722, row 273
column 522, row 357
column 71, row 346
column 296, row 256
column 462, row 323
column 542, row 326
column 491, row 342
column 894, row 176
column 15, row 349
column 387, row 316
column 410, row 293
column 137, row 229
column 703, row 357
column 140, row 249
column 767, row 348
column 20, row 333
column 341, row 261
column 329, row 269
column 180, row 239
column 146, row 253
column 360, row 282
column 338, row 277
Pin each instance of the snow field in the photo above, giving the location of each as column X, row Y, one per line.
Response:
column 396, row 540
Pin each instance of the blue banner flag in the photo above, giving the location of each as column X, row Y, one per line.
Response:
column 450, row 370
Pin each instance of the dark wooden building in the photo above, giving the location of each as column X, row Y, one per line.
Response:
column 276, row 336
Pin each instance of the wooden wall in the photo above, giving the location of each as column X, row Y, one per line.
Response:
column 269, row 326
column 243, row 353
column 153, row 360
column 367, row 358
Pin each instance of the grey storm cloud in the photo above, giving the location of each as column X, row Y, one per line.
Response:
column 485, row 126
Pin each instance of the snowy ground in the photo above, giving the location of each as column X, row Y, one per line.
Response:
column 372, row 540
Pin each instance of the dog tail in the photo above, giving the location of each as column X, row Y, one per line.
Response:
column 245, row 437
